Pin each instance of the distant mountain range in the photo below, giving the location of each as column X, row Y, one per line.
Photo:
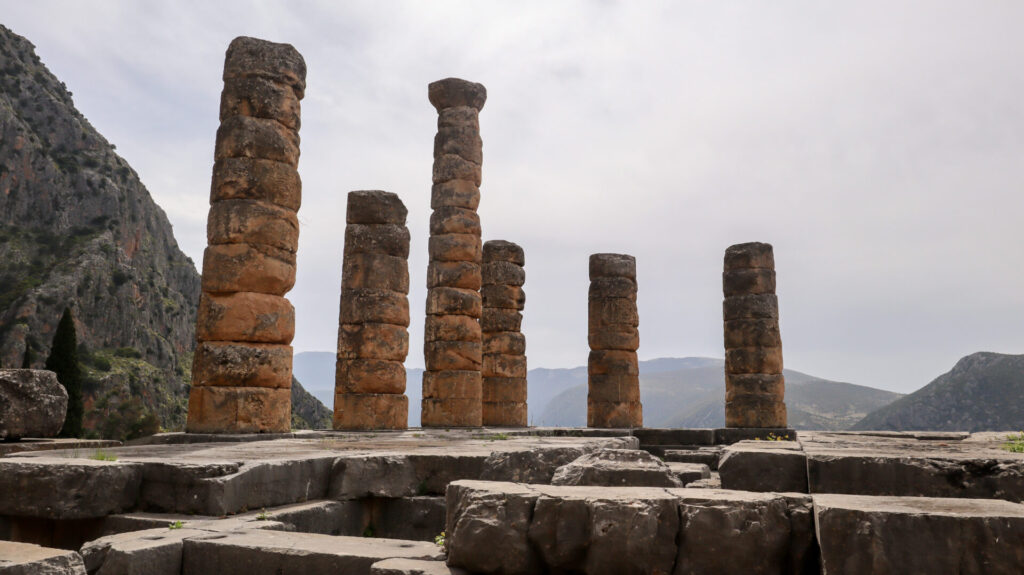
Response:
column 983, row 391
column 676, row 392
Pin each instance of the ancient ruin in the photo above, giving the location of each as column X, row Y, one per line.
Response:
column 504, row 345
column 452, row 385
column 373, row 339
column 613, row 373
column 242, row 368
column 754, row 384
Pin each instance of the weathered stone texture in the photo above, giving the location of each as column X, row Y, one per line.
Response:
column 613, row 382
column 452, row 347
column 32, row 403
column 239, row 384
column 755, row 387
column 617, row 467
column 28, row 559
column 504, row 346
column 373, row 339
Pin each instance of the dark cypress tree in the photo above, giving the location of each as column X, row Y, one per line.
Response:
column 63, row 361
column 26, row 362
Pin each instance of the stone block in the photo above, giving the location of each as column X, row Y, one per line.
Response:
column 374, row 306
column 55, row 487
column 504, row 390
column 252, row 222
column 625, row 337
column 456, row 193
column 455, row 92
column 373, row 341
column 245, row 316
column 451, row 413
column 749, row 255
column 674, row 436
column 32, row 403
column 504, row 414
column 755, row 411
column 375, row 272
column 452, row 355
column 612, row 266
column 451, row 328
column 257, row 552
column 495, row 320
column 612, row 311
column 616, row 467
column 256, row 179
column 738, row 385
column 245, row 137
column 502, row 273
column 707, row 456
column 752, row 333
column 615, row 415
column 462, row 141
column 503, row 297
column 451, row 167
column 758, row 306
column 748, row 281
column 779, row 466
column 262, row 269
column 239, row 410
column 503, row 365
column 155, row 551
column 225, row 363
column 687, row 473
column 369, row 376
column 614, row 388
column 730, row 435
column 459, row 117
column 260, row 98
column 455, row 248
column 465, row 275
column 386, row 239
column 452, row 385
column 859, row 534
column 504, row 251
column 454, row 301
column 370, row 411
column 29, row 559
column 375, row 207
column 251, row 57
column 602, row 287
column 507, row 342
column 753, row 360
column 413, row 567
column 612, row 362
column 454, row 220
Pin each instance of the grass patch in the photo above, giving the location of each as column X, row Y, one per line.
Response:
column 101, row 455
column 1014, row 443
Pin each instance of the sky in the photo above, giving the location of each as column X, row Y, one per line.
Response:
column 879, row 146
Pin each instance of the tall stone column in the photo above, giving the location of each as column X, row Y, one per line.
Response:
column 242, row 368
column 373, row 339
column 452, row 387
column 754, row 385
column 504, row 365
column 613, row 373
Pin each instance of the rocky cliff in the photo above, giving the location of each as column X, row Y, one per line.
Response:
column 79, row 229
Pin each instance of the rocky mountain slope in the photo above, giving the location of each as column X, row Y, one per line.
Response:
column 983, row 391
column 79, row 229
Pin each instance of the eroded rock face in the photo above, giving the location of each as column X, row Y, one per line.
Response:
column 32, row 403
column 613, row 374
column 617, row 467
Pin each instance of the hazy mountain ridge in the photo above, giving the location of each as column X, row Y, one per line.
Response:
column 983, row 391
column 78, row 229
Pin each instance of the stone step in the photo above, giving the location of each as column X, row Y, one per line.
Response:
column 687, row 473
column 413, row 567
column 28, row 559
column 707, row 455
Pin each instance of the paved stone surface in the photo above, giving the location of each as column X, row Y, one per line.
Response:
column 28, row 559
column 898, row 535
column 54, row 443
column 617, row 467
column 413, row 567
column 510, row 528
column 32, row 403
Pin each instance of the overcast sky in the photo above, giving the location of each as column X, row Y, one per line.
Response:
column 879, row 146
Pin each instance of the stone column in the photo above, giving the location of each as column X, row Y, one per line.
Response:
column 242, row 368
column 613, row 373
column 373, row 341
column 754, row 385
column 452, row 388
column 504, row 365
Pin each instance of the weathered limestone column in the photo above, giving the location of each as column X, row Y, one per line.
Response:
column 504, row 364
column 242, row 368
column 452, row 387
column 754, row 385
column 613, row 373
column 373, row 339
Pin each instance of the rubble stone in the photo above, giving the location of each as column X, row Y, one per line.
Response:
column 32, row 404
